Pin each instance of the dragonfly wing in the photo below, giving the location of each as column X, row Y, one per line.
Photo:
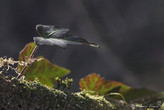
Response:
column 48, row 31
column 49, row 41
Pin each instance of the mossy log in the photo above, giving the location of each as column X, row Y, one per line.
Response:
column 23, row 95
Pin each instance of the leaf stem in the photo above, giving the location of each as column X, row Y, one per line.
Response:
column 33, row 52
column 31, row 56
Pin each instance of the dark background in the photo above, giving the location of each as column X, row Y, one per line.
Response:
column 131, row 33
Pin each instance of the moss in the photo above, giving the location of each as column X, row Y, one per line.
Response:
column 22, row 95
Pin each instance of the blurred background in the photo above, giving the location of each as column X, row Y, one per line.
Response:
column 131, row 35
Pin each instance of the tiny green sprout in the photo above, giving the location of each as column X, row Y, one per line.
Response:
column 117, row 94
column 64, row 85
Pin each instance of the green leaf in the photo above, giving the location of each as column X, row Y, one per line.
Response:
column 25, row 52
column 162, row 106
column 43, row 70
column 54, row 35
column 98, row 85
column 136, row 93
